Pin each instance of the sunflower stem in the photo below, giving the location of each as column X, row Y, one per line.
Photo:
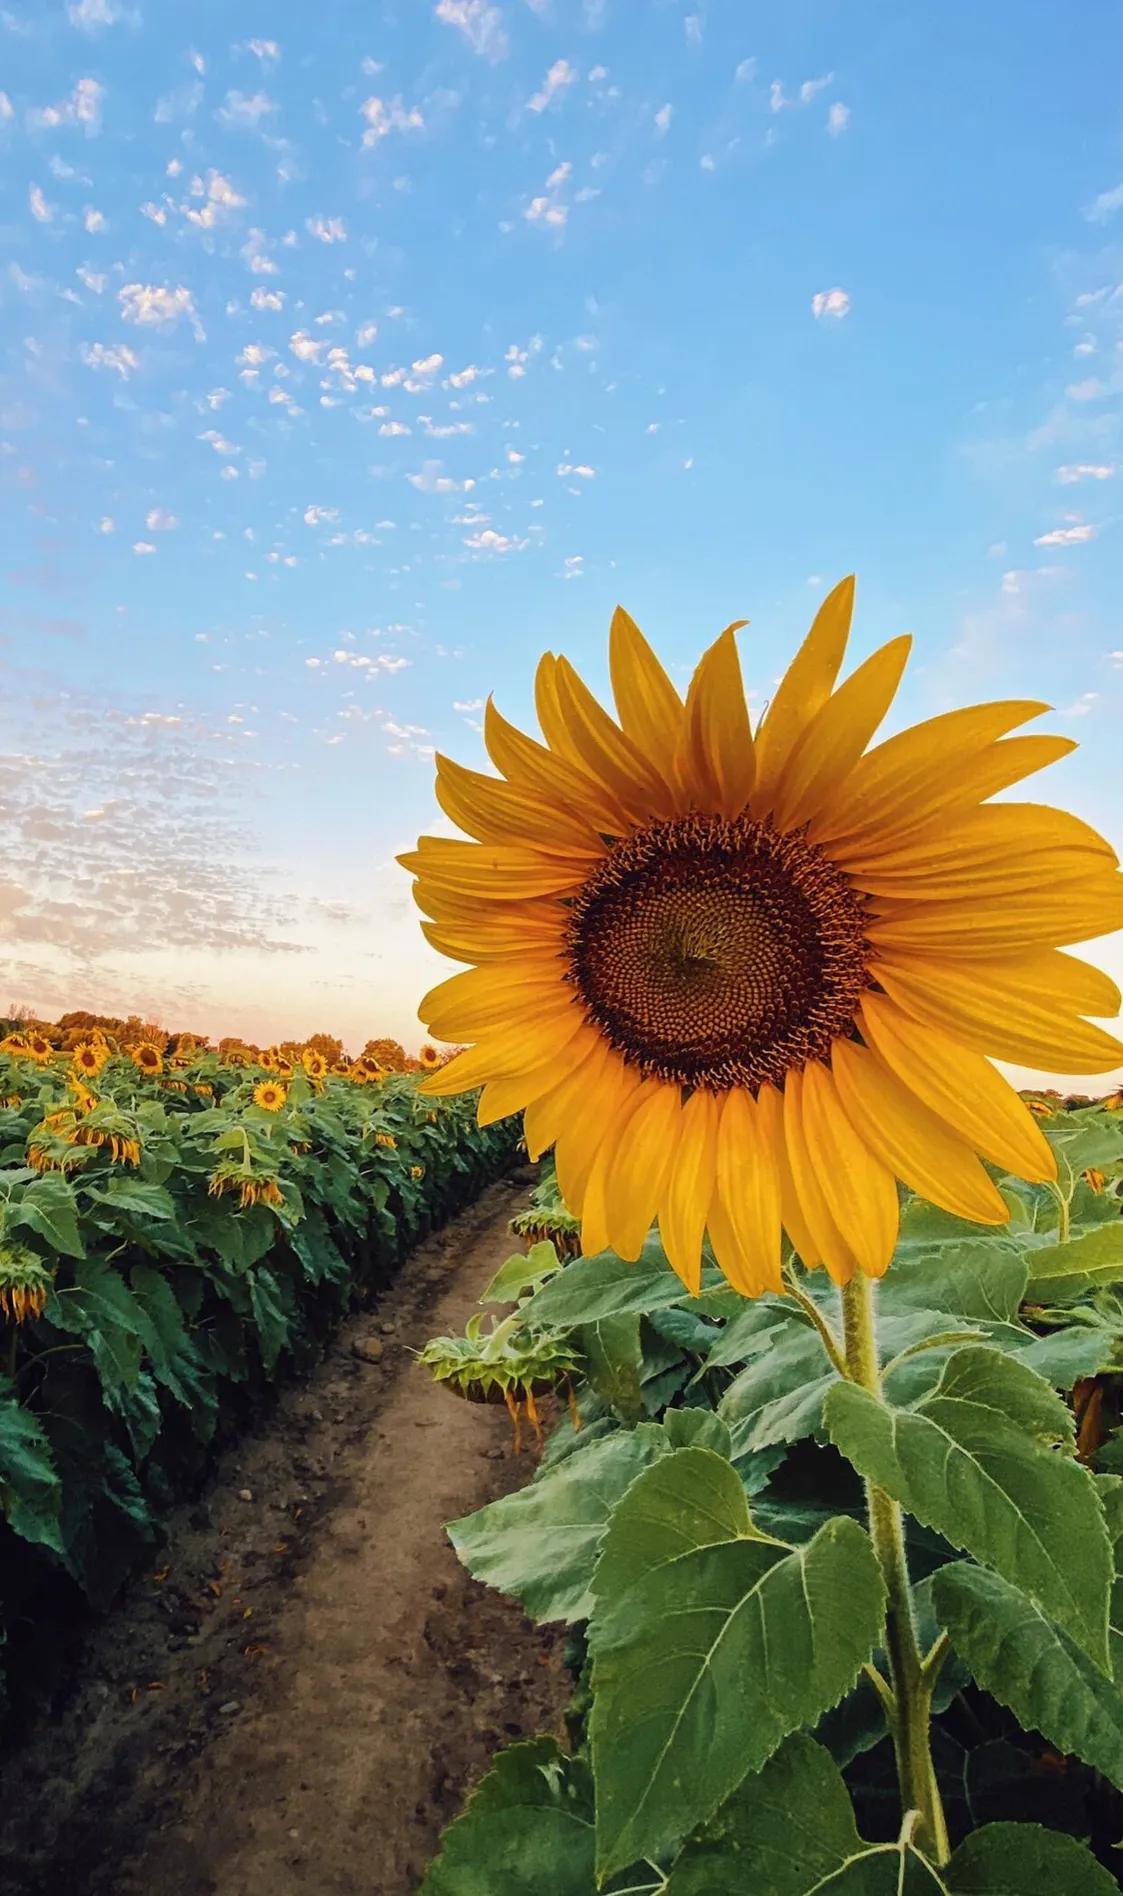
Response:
column 815, row 1316
column 912, row 1683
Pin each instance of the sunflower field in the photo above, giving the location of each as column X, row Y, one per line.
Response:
column 696, row 1523
column 177, row 1229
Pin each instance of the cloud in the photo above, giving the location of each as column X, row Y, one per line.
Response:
column 242, row 111
column 480, row 22
column 560, row 75
column 143, row 546
column 82, row 107
column 218, row 194
column 155, row 305
column 92, row 15
column 306, row 348
column 582, row 471
column 41, row 211
column 1105, row 205
column 838, row 118
column 664, row 116
column 432, row 481
column 115, row 356
column 159, row 520
column 548, row 208
column 315, row 516
column 265, row 50
column 1085, row 471
column 267, row 299
column 93, row 219
column 1085, row 391
column 1067, row 536
column 834, row 303
column 7, row 109
column 327, row 230
column 491, row 542
column 383, row 118
column 93, row 279
column 745, row 71
column 810, row 87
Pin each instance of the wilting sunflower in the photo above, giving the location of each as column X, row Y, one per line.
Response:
column 148, row 1057
column 25, row 1283
column 428, row 1059
column 749, row 980
column 270, row 1095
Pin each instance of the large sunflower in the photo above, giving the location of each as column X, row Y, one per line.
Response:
column 749, row 981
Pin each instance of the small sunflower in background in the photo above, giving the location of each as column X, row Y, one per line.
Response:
column 417, row 1172
column 39, row 1048
column 744, row 981
column 88, row 1058
column 428, row 1059
column 342, row 1069
column 270, row 1095
column 148, row 1057
column 313, row 1063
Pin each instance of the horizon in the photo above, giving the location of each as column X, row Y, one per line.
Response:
column 350, row 362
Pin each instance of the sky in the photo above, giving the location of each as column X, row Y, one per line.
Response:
column 351, row 356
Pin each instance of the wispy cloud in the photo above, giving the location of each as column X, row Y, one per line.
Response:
column 1105, row 205
column 481, row 24
column 560, row 76
column 833, row 303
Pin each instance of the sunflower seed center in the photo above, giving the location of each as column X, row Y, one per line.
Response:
column 716, row 953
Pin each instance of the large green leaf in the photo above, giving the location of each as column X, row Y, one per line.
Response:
column 540, row 1543
column 691, row 1498
column 48, row 1207
column 1089, row 1261
column 976, row 1458
column 604, row 1286
column 612, row 1361
column 778, row 1396
column 1025, row 1860
column 1089, row 1137
column 966, row 1276
column 1022, row 1659
column 524, row 1271
column 101, row 1309
column 790, row 1831
column 705, row 1665
column 527, row 1829
column 268, row 1315
column 30, row 1490
column 174, row 1359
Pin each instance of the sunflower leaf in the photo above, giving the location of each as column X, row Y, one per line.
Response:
column 604, row 1286
column 778, row 1396
column 528, row 1827
column 976, row 1459
column 719, row 1655
column 1090, row 1260
column 690, row 1498
column 1024, row 1661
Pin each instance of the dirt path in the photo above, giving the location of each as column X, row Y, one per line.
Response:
column 300, row 1701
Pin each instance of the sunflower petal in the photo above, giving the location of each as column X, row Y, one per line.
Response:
column 803, row 690
column 827, row 1240
column 1042, row 917
column 531, row 767
column 1026, row 1010
column 495, row 812
column 909, row 1139
column 497, row 872
column 748, row 1192
column 715, row 760
column 686, row 1201
column 647, row 704
column 602, row 747
column 832, row 743
column 860, row 1192
column 641, row 1167
column 604, row 1095
column 507, row 1052
column 480, row 998
column 499, row 1099
column 929, row 797
column 960, row 1087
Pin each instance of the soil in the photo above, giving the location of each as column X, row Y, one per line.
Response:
column 298, row 1697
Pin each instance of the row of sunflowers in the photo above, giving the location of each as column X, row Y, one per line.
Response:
column 177, row 1229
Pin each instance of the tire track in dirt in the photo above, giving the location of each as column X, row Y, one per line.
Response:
column 298, row 1698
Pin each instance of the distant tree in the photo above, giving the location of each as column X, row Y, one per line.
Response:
column 388, row 1053
column 328, row 1045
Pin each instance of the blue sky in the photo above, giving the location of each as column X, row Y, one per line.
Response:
column 352, row 356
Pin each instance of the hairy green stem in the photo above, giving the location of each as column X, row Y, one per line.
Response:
column 912, row 1683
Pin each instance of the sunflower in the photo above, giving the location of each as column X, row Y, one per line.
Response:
column 386, row 1139
column 747, row 981
column 428, row 1059
column 148, row 1057
column 25, row 1283
column 313, row 1063
column 416, row 1172
column 270, row 1095
column 39, row 1048
column 283, row 1068
column 89, row 1057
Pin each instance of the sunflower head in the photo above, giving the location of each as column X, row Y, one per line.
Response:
column 313, row 1063
column 89, row 1057
column 248, row 1185
column 25, row 1283
column 428, row 1059
column 39, row 1048
column 746, row 980
column 270, row 1095
column 387, row 1140
column 148, row 1057
column 417, row 1172
column 15, row 1045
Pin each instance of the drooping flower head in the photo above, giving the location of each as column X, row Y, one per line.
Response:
column 746, row 981
column 25, row 1283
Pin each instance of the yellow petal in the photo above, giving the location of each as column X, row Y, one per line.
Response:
column 909, row 1139
column 499, row 1099
column 828, row 1241
column 486, row 941
column 1026, row 1010
column 803, row 690
column 834, row 740
column 748, row 1191
column 600, row 1102
column 715, row 761
column 898, row 776
column 791, row 1211
column 491, row 870
column 637, row 1177
column 596, row 1223
column 686, row 1201
column 575, row 1077
column 531, row 767
column 647, row 704
column 960, row 1087
column 470, row 1004
column 508, row 1052
column 1013, row 922
column 981, row 841
column 860, row 1192
column 497, row 812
